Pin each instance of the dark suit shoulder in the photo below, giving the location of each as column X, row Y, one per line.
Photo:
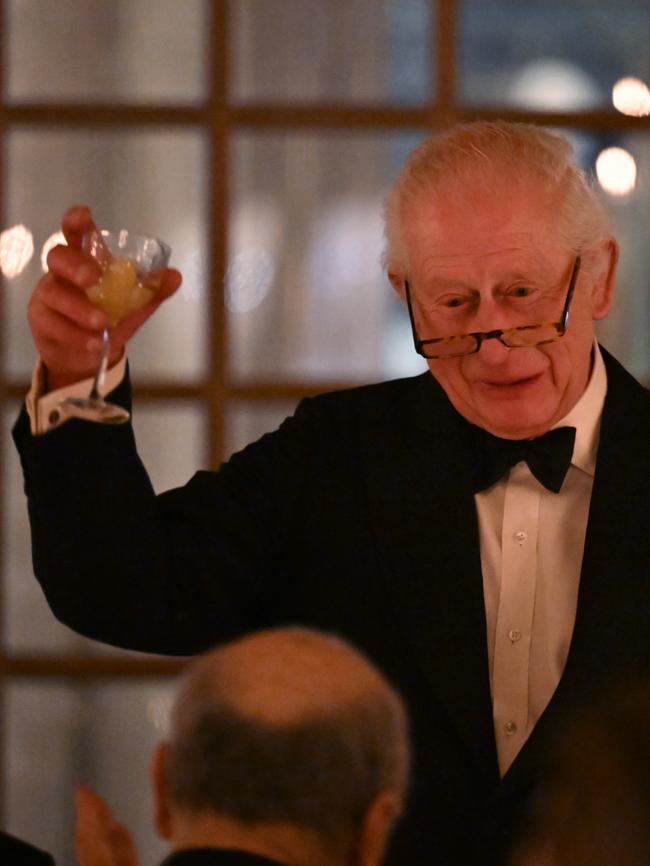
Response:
column 379, row 393
column 332, row 426
column 216, row 857
column 625, row 426
column 16, row 852
column 387, row 408
column 622, row 386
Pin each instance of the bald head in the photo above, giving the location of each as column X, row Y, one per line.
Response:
column 284, row 677
column 287, row 726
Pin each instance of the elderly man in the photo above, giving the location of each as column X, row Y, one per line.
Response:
column 265, row 767
column 496, row 574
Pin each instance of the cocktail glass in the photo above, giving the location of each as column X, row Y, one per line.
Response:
column 132, row 266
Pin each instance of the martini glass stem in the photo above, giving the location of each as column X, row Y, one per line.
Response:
column 100, row 375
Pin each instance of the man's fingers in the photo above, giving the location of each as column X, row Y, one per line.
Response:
column 67, row 300
column 77, row 222
column 73, row 265
column 91, row 807
column 67, row 332
column 69, row 341
column 69, row 353
column 124, row 331
column 65, row 324
column 92, row 829
column 122, row 845
column 170, row 283
column 66, row 327
column 99, row 839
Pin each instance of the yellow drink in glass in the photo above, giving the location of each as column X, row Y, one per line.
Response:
column 132, row 267
column 121, row 292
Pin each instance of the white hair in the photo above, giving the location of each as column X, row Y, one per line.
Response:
column 494, row 156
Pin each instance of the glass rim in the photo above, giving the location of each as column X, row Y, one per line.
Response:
column 136, row 237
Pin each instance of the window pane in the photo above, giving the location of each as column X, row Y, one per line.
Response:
column 101, row 735
column 625, row 330
column 305, row 291
column 170, row 440
column 149, row 51
column 343, row 51
column 151, row 182
column 552, row 55
column 248, row 421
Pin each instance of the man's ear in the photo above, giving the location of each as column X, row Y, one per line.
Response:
column 158, row 773
column 376, row 827
column 602, row 291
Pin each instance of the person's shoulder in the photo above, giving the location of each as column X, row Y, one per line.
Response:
column 373, row 409
column 216, row 857
column 622, row 385
column 338, row 419
column 17, row 852
column 336, row 422
column 625, row 423
column 376, row 395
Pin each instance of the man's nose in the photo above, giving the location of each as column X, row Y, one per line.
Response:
column 493, row 351
column 490, row 315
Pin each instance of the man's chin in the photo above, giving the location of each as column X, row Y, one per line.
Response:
column 524, row 416
column 512, row 419
column 516, row 425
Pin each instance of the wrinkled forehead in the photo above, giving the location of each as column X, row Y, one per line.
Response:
column 453, row 227
column 507, row 260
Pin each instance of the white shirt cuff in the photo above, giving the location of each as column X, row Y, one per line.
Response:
column 46, row 411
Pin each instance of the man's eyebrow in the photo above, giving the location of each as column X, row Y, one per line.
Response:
column 537, row 270
column 440, row 282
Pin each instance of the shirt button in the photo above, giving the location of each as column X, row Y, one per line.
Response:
column 510, row 728
column 520, row 536
column 54, row 416
column 514, row 634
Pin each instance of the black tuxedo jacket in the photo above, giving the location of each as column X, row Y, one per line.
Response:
column 356, row 517
column 216, row 857
column 16, row 852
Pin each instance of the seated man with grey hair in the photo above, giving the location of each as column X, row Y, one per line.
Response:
column 286, row 747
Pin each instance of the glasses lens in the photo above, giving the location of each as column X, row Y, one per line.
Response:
column 531, row 335
column 450, row 347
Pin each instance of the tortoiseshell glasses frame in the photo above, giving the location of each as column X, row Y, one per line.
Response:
column 523, row 336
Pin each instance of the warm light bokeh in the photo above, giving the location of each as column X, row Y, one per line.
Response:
column 616, row 171
column 16, row 250
column 631, row 96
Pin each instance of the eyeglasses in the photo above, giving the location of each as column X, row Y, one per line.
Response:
column 523, row 336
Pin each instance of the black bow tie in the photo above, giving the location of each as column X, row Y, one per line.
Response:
column 548, row 457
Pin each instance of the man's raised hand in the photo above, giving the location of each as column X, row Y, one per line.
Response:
column 66, row 326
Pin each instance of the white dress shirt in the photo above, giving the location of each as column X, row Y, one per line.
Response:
column 47, row 411
column 532, row 542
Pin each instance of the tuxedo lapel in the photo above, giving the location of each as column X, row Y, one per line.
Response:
column 416, row 464
column 611, row 636
column 611, row 627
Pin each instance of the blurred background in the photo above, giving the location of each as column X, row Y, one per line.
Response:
column 258, row 138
